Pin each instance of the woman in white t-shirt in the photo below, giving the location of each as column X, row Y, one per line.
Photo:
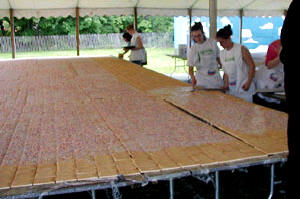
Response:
column 138, row 53
column 204, row 55
column 238, row 66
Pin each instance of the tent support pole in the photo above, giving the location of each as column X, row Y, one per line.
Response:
column 12, row 34
column 212, row 18
column 77, row 31
column 190, row 25
column 135, row 18
column 241, row 25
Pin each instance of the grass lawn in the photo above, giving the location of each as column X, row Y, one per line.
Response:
column 157, row 59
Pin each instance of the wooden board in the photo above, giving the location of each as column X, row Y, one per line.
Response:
column 261, row 127
column 76, row 119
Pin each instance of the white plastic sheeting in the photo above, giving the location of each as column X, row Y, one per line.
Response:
column 46, row 8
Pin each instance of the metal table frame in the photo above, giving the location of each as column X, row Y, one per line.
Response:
column 114, row 184
column 182, row 58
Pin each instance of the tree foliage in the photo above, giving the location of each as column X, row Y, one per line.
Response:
column 87, row 25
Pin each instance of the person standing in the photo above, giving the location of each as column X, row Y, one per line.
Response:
column 238, row 66
column 275, row 75
column 289, row 58
column 127, row 38
column 204, row 55
column 138, row 53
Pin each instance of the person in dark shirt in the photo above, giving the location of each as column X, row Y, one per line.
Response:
column 127, row 38
column 289, row 56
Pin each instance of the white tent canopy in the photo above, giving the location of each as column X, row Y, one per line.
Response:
column 76, row 8
column 46, row 8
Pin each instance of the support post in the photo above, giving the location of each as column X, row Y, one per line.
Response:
column 135, row 18
column 12, row 34
column 241, row 25
column 171, row 188
column 77, row 31
column 217, row 185
column 115, row 191
column 93, row 194
column 212, row 18
column 272, row 181
column 190, row 25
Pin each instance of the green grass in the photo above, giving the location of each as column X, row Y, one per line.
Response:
column 157, row 59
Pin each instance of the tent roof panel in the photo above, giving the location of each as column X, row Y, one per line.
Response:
column 45, row 4
column 46, row 8
column 106, row 4
column 269, row 5
column 166, row 4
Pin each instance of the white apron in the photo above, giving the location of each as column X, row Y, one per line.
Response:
column 238, row 72
column 140, row 54
column 204, row 57
column 270, row 78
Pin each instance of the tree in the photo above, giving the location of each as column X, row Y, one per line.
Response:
column 87, row 25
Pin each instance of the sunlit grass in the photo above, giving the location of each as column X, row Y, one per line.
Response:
column 157, row 57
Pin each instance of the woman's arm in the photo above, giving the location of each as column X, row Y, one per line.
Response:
column 272, row 63
column 226, row 82
column 125, row 50
column 191, row 72
column 219, row 62
column 272, row 57
column 121, row 55
column 249, row 61
column 139, row 44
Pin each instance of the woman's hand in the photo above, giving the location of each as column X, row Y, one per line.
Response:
column 194, row 81
column 121, row 55
column 225, row 88
column 191, row 72
column 246, row 86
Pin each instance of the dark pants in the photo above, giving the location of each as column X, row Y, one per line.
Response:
column 138, row 62
column 282, row 106
column 293, row 157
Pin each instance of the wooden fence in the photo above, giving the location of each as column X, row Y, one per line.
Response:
column 89, row 41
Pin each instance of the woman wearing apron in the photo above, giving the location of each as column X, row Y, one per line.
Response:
column 138, row 54
column 238, row 66
column 204, row 54
column 274, row 74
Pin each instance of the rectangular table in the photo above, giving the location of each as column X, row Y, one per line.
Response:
column 78, row 121
column 179, row 58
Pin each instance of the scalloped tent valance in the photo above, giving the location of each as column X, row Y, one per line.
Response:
column 46, row 8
